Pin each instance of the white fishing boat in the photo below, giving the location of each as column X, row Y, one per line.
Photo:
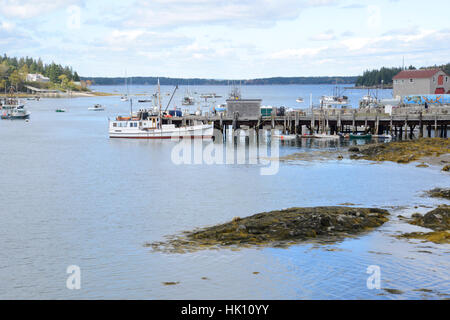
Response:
column 146, row 124
column 97, row 107
column 12, row 108
column 337, row 99
column 329, row 101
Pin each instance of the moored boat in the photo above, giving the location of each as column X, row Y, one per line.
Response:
column 97, row 107
column 360, row 136
column 147, row 124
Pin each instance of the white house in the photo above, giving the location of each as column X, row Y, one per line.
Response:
column 37, row 77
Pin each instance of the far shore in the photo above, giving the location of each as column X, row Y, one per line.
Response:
column 62, row 95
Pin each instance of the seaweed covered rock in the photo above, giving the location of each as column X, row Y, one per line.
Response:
column 405, row 151
column 439, row 193
column 437, row 219
column 288, row 226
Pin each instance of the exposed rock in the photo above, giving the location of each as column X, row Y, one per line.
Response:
column 279, row 228
column 353, row 149
column 422, row 165
column 405, row 151
column 439, row 193
column 437, row 219
column 438, row 237
column 446, row 168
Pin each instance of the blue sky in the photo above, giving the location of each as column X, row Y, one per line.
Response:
column 234, row 39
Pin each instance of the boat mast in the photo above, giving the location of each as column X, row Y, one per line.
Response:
column 159, row 101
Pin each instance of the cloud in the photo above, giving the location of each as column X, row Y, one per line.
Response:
column 26, row 9
column 297, row 53
column 325, row 36
column 249, row 13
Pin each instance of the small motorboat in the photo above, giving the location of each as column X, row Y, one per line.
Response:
column 60, row 110
column 360, row 136
column 326, row 136
column 300, row 100
column 285, row 136
column 382, row 136
column 97, row 107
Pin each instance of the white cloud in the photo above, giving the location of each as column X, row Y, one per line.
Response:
column 25, row 9
column 297, row 53
column 253, row 13
column 325, row 36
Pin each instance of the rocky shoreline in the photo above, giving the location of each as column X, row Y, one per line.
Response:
column 279, row 228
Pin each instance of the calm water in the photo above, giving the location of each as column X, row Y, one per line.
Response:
column 71, row 196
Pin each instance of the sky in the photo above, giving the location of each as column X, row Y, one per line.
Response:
column 233, row 39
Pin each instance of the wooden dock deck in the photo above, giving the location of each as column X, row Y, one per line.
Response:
column 332, row 123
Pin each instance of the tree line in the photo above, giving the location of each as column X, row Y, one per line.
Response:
column 385, row 75
column 14, row 71
column 199, row 81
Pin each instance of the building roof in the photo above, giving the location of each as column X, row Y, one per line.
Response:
column 416, row 74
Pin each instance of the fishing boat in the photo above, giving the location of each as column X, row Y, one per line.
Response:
column 337, row 99
column 13, row 109
column 147, row 124
column 188, row 100
column 97, row 107
column 60, row 110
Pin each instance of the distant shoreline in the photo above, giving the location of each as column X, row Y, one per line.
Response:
column 349, row 80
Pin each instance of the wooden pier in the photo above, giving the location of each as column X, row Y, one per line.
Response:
column 406, row 125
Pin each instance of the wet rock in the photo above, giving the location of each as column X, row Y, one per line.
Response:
column 405, row 151
column 393, row 291
column 439, row 193
column 446, row 168
column 353, row 149
column 280, row 228
column 438, row 237
column 422, row 165
column 437, row 219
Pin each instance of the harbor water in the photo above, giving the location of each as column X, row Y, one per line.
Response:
column 72, row 196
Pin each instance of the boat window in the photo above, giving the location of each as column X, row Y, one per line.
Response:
column 114, row 124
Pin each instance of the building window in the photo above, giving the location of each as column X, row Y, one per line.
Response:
column 411, row 80
column 446, row 79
